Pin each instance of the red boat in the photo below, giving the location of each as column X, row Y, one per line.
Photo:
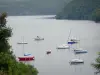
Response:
column 26, row 58
column 48, row 52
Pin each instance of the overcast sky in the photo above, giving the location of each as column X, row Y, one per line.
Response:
column 32, row 6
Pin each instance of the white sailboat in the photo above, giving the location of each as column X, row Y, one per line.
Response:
column 64, row 46
column 79, row 50
column 76, row 61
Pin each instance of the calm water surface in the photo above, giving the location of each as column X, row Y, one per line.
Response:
column 55, row 33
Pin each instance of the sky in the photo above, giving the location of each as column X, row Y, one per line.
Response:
column 32, row 7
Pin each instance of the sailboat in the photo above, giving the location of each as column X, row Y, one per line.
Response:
column 79, row 50
column 72, row 40
column 64, row 46
column 76, row 61
column 25, row 57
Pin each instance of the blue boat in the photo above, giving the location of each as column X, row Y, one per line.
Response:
column 80, row 51
column 71, row 42
column 27, row 54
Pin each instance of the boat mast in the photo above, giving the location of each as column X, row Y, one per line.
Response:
column 69, row 35
column 23, row 45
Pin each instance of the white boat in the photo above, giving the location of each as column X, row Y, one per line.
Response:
column 78, row 51
column 76, row 61
column 64, row 46
column 38, row 38
column 71, row 41
column 74, row 39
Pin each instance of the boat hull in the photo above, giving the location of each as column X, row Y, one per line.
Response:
column 48, row 52
column 62, row 47
column 38, row 39
column 80, row 51
column 26, row 58
column 76, row 61
column 72, row 42
column 22, row 43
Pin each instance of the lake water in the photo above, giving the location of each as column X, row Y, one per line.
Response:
column 55, row 33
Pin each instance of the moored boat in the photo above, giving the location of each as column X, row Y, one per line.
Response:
column 72, row 42
column 64, row 46
column 76, row 61
column 48, row 52
column 38, row 38
column 26, row 58
column 78, row 51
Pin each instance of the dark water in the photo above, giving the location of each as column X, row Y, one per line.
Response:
column 55, row 33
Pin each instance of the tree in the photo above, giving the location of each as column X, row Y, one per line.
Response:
column 8, row 63
column 96, row 15
column 97, row 64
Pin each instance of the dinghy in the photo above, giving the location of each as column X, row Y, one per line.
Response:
column 27, row 54
column 48, row 52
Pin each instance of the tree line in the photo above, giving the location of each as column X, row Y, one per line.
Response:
column 8, row 63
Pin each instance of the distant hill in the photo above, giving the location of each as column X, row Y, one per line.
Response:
column 31, row 7
column 79, row 10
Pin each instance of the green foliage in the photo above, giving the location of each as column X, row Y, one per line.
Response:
column 96, row 15
column 3, row 19
column 97, row 64
column 8, row 63
column 5, row 32
column 26, row 69
column 79, row 10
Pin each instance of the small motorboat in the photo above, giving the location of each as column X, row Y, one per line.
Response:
column 78, row 51
column 48, row 52
column 38, row 38
column 74, row 39
column 76, row 61
column 26, row 58
column 64, row 46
